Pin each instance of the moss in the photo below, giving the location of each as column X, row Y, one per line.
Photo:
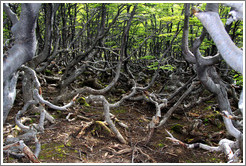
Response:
column 52, row 150
column 177, row 128
column 103, row 127
column 31, row 121
column 119, row 111
column 215, row 160
column 121, row 91
column 189, row 140
column 37, row 113
column 188, row 161
column 208, row 108
column 69, row 143
column 206, row 92
column 101, row 83
column 161, row 145
column 81, row 100
column 209, row 101
column 54, row 116
column 100, row 127
column 48, row 72
column 205, row 120
column 11, row 159
column 59, row 111
column 141, row 120
column 87, row 110
column 212, row 116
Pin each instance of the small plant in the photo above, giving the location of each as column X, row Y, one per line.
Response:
column 161, row 145
column 238, row 78
column 205, row 120
column 81, row 100
column 47, row 71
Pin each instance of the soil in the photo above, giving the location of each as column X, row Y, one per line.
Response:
column 61, row 143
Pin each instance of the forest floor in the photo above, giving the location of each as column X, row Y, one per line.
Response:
column 62, row 143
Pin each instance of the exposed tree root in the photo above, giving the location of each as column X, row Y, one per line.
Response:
column 25, row 149
column 225, row 145
column 30, row 132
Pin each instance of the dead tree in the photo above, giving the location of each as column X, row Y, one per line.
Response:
column 205, row 70
column 23, row 50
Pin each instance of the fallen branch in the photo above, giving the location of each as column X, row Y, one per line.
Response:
column 25, row 149
column 85, row 125
column 171, row 110
column 232, row 130
column 118, row 121
column 225, row 145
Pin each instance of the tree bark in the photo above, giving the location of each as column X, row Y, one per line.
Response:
column 25, row 40
column 229, row 51
column 23, row 50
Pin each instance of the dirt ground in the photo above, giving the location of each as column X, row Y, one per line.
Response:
column 61, row 142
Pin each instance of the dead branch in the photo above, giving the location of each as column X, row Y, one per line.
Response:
column 225, row 145
column 171, row 110
column 25, row 149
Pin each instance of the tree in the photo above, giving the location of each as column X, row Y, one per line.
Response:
column 23, row 49
column 204, row 66
column 156, row 53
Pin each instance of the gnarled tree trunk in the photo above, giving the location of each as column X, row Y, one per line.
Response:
column 23, row 50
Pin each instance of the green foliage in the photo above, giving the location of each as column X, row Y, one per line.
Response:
column 147, row 57
column 238, row 78
column 159, row 20
column 168, row 67
column 154, row 66
column 174, row 19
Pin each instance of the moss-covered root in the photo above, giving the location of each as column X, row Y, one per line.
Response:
column 103, row 125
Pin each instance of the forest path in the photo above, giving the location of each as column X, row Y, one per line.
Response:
column 61, row 142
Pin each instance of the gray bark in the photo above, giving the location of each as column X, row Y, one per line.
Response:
column 9, row 94
column 25, row 40
column 227, row 48
column 49, row 18
column 23, row 50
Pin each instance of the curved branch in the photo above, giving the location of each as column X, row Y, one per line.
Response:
column 12, row 16
column 229, row 51
column 185, row 46
column 25, row 40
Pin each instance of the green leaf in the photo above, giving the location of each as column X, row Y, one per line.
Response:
column 148, row 57
column 168, row 67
